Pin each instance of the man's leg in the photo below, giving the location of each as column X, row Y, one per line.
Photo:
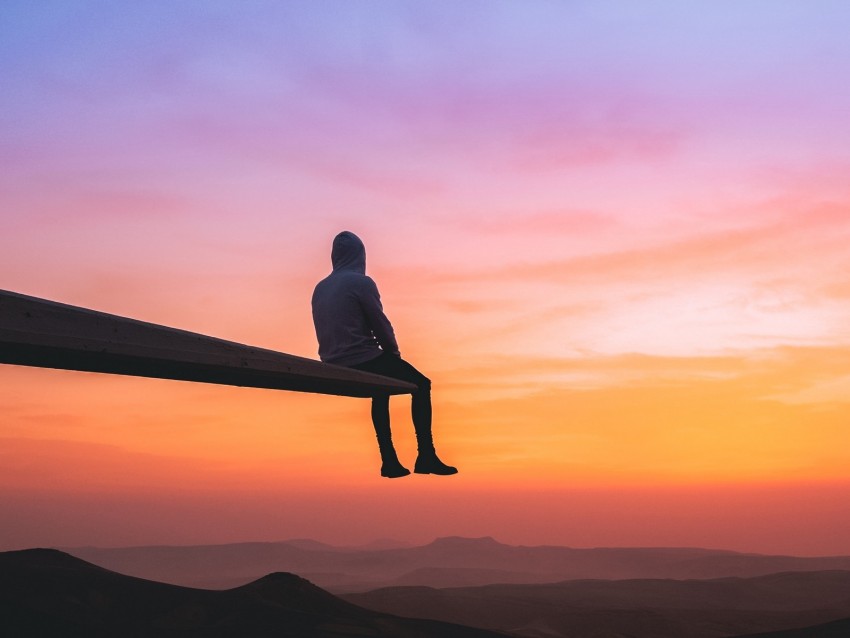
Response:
column 395, row 367
column 390, row 465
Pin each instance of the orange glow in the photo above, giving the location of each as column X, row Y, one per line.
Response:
column 542, row 463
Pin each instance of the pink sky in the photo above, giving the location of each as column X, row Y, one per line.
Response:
column 615, row 239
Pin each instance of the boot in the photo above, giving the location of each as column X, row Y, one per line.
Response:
column 391, row 467
column 429, row 463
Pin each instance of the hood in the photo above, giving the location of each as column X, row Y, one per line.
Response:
column 348, row 253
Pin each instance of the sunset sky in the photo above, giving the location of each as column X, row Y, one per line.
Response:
column 615, row 235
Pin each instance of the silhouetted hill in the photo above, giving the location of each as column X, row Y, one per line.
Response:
column 639, row 608
column 445, row 562
column 46, row 593
column 836, row 629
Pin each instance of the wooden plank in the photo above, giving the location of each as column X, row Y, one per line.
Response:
column 47, row 334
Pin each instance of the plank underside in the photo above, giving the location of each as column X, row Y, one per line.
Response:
column 47, row 334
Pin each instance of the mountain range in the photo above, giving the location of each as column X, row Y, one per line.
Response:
column 446, row 562
column 47, row 593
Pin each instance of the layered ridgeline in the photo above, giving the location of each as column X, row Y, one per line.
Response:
column 48, row 594
column 640, row 608
column 447, row 562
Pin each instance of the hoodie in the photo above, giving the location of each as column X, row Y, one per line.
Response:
column 350, row 322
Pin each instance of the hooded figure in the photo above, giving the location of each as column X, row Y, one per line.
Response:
column 353, row 331
column 350, row 322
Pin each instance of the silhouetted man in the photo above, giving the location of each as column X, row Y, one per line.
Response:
column 353, row 331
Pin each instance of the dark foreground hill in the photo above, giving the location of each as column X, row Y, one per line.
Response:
column 636, row 608
column 837, row 629
column 46, row 593
column 446, row 562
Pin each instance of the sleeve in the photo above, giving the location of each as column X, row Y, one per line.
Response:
column 381, row 327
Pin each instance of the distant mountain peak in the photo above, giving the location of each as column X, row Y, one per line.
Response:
column 292, row 591
column 283, row 579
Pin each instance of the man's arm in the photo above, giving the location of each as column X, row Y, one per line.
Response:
column 381, row 327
